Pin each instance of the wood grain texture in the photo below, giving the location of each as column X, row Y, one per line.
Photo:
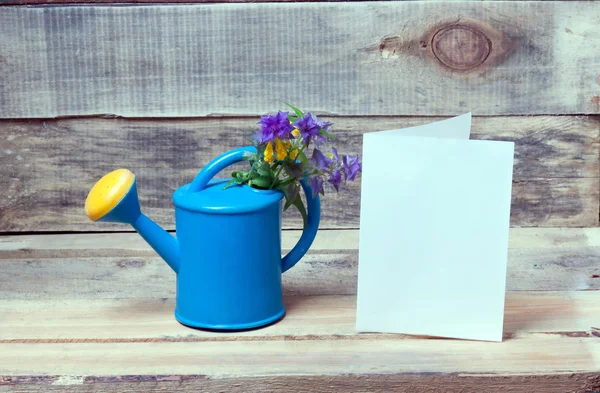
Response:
column 450, row 383
column 531, row 354
column 382, row 383
column 115, row 266
column 135, row 344
column 308, row 318
column 364, row 58
column 26, row 2
column 50, row 165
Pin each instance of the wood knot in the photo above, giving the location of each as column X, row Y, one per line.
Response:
column 460, row 47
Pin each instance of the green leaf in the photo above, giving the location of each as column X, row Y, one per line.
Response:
column 290, row 192
column 252, row 171
column 261, row 182
column 297, row 111
column 230, row 183
column 300, row 206
column 325, row 133
column 240, row 174
column 292, row 118
column 288, row 202
column 264, row 170
column 288, row 181
column 303, row 159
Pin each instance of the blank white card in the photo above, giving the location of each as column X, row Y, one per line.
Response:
column 434, row 233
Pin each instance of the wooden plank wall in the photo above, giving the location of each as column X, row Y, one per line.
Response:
column 366, row 59
column 53, row 163
column 161, row 89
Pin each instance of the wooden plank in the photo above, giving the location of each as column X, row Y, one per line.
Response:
column 113, row 266
column 143, row 336
column 135, row 345
column 308, row 318
column 26, row 2
column 380, row 58
column 380, row 383
column 531, row 354
column 49, row 166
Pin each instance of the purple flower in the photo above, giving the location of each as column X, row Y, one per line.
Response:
column 336, row 179
column 325, row 125
column 274, row 126
column 320, row 160
column 316, row 183
column 336, row 158
column 351, row 167
column 308, row 126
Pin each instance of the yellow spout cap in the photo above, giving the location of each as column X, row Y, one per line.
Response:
column 108, row 192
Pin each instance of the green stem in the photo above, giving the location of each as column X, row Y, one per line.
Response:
column 276, row 175
column 252, row 170
column 302, row 149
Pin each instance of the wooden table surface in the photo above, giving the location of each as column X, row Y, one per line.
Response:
column 94, row 312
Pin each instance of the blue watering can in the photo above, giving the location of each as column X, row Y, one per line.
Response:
column 227, row 254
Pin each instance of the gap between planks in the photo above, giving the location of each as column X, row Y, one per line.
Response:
column 329, row 239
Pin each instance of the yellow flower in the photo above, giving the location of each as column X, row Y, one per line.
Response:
column 280, row 149
column 296, row 132
column 269, row 153
column 293, row 153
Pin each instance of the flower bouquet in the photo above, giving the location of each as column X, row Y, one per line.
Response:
column 284, row 142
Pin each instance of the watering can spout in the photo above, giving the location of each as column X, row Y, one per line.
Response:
column 114, row 198
column 160, row 240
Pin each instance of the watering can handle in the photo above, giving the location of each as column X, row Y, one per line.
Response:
column 314, row 204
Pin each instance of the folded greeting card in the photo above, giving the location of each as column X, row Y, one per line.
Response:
column 435, row 209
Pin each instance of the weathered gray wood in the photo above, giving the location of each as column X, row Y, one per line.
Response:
column 49, row 166
column 24, row 2
column 112, row 266
column 382, row 383
column 380, row 58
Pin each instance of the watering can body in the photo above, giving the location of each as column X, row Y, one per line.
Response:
column 230, row 276
column 227, row 254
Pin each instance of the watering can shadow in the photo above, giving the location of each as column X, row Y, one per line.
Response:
column 227, row 253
